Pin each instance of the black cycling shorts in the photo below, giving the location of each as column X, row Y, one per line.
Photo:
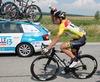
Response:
column 77, row 43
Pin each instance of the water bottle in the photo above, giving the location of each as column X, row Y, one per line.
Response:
column 65, row 61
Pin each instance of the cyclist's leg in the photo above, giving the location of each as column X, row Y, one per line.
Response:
column 75, row 50
column 64, row 47
column 77, row 44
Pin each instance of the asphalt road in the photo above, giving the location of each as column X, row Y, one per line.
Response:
column 15, row 69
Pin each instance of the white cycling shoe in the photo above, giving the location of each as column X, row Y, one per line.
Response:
column 74, row 63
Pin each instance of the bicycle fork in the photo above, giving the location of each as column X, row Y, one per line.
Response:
column 47, row 64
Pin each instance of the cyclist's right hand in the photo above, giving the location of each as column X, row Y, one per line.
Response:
column 45, row 50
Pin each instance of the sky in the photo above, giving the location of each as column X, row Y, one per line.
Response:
column 79, row 7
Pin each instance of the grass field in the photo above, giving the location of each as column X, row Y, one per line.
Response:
column 89, row 24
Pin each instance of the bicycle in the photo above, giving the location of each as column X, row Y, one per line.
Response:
column 23, row 10
column 46, row 67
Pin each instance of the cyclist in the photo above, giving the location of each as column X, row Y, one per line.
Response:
column 77, row 34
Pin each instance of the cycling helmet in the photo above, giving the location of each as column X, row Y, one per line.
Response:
column 60, row 14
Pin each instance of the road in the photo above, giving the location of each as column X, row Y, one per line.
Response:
column 16, row 69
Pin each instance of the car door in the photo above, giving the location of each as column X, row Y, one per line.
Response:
column 10, row 36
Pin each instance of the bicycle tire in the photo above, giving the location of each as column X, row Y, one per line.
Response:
column 88, row 69
column 47, row 72
column 35, row 14
column 13, row 13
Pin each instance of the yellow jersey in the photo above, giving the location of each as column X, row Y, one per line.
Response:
column 70, row 29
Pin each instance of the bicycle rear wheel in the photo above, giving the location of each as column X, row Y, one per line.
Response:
column 44, row 68
column 33, row 13
column 86, row 68
column 10, row 10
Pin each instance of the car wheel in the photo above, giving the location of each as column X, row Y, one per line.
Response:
column 24, row 50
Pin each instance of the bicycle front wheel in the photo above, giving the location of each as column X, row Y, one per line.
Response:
column 33, row 13
column 86, row 68
column 44, row 68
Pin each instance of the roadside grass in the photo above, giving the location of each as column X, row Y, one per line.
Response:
column 89, row 24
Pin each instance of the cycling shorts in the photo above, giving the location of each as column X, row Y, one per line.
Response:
column 77, row 43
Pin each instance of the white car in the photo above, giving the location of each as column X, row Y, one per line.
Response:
column 22, row 37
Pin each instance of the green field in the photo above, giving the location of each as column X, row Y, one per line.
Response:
column 89, row 24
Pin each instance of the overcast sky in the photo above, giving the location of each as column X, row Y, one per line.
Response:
column 80, row 7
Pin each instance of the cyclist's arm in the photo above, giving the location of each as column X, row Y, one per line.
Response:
column 54, row 41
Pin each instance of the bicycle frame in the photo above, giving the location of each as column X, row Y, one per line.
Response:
column 62, row 63
column 23, row 7
column 21, row 3
column 57, row 58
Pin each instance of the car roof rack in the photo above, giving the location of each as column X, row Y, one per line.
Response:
column 12, row 20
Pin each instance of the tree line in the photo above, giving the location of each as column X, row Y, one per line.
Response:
column 97, row 15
